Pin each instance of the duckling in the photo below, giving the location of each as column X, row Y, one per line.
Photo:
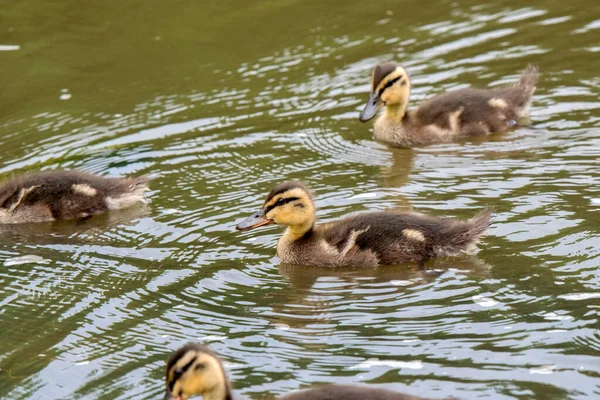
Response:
column 367, row 239
column 195, row 370
column 53, row 195
column 447, row 117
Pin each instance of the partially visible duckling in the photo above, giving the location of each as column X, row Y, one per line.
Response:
column 367, row 239
column 52, row 195
column 447, row 117
column 195, row 370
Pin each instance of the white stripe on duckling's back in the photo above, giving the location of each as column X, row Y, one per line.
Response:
column 84, row 189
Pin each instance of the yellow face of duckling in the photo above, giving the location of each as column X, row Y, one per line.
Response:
column 390, row 87
column 288, row 204
column 194, row 370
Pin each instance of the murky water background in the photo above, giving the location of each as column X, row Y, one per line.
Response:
column 220, row 100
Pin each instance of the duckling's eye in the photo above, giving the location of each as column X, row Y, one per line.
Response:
column 280, row 202
column 200, row 366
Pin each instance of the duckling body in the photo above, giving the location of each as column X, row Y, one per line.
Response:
column 52, row 195
column 368, row 239
column 447, row 117
column 381, row 238
column 195, row 370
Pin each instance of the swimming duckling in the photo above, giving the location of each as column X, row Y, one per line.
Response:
column 195, row 370
column 448, row 117
column 368, row 239
column 52, row 195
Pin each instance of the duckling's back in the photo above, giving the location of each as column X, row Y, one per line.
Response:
column 481, row 111
column 47, row 196
column 393, row 238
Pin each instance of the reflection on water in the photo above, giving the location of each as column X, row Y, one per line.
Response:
column 218, row 103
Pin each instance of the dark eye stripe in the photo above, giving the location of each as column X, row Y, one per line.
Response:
column 388, row 84
column 179, row 372
column 281, row 202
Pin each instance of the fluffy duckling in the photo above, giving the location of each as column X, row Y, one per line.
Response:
column 367, row 239
column 195, row 370
column 52, row 195
column 448, row 117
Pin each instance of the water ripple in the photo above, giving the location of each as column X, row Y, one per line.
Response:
column 217, row 120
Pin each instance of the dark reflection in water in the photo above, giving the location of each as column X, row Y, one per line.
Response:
column 218, row 102
column 302, row 276
column 98, row 228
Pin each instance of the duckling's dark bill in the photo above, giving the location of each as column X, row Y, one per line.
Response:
column 254, row 221
column 371, row 108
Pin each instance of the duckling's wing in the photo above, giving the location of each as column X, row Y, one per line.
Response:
column 476, row 106
column 491, row 106
column 399, row 237
column 391, row 238
column 8, row 191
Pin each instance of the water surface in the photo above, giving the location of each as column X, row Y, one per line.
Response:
column 220, row 100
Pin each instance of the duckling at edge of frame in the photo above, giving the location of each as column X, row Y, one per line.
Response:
column 365, row 239
column 53, row 195
column 448, row 117
column 195, row 370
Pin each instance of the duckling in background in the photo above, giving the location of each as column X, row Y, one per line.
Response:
column 368, row 239
column 195, row 370
column 448, row 117
column 53, row 195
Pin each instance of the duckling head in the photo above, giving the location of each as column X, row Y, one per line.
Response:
column 289, row 204
column 195, row 370
column 390, row 87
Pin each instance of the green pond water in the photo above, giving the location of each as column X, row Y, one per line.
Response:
column 220, row 100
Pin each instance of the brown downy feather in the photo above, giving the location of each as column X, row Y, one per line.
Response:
column 529, row 76
column 395, row 238
column 381, row 71
column 463, row 237
column 54, row 195
column 480, row 106
column 520, row 94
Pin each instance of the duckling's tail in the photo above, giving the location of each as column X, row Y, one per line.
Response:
column 140, row 183
column 529, row 77
column 463, row 237
column 128, row 192
column 137, row 187
column 521, row 93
